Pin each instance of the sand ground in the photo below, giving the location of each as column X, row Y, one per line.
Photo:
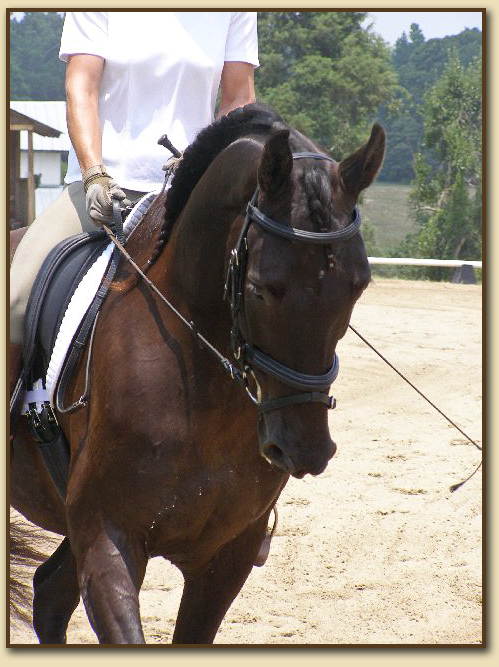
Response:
column 376, row 550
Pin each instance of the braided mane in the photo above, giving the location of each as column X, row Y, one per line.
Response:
column 251, row 119
column 317, row 190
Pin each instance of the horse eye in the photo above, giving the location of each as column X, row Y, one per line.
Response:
column 255, row 292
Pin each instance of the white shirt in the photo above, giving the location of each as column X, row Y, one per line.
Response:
column 161, row 75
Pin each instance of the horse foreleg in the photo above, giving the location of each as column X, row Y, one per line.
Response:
column 56, row 595
column 208, row 595
column 111, row 568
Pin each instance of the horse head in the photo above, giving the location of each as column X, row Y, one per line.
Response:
column 298, row 293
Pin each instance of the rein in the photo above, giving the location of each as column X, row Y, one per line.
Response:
column 315, row 388
column 454, row 487
column 228, row 367
column 316, row 385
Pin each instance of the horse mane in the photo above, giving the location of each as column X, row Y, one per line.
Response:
column 253, row 119
column 317, row 190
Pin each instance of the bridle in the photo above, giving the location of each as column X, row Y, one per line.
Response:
column 249, row 354
column 315, row 388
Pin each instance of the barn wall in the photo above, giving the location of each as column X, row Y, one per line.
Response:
column 48, row 164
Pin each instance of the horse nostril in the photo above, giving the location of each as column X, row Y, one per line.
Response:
column 274, row 453
column 276, row 457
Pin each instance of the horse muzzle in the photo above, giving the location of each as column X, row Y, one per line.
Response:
column 294, row 449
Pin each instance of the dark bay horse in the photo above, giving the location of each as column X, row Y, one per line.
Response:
column 170, row 457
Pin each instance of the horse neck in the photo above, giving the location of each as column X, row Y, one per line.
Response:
column 201, row 241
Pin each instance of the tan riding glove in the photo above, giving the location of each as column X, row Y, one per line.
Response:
column 100, row 190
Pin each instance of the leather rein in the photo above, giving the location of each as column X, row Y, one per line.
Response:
column 314, row 388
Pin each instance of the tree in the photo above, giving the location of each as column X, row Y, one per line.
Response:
column 416, row 34
column 36, row 73
column 446, row 194
column 418, row 64
column 325, row 73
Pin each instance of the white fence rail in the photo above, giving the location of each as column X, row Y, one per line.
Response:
column 410, row 261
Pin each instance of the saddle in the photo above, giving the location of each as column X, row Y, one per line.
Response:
column 60, row 276
column 57, row 280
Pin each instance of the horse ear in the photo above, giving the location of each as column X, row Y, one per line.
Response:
column 276, row 162
column 359, row 170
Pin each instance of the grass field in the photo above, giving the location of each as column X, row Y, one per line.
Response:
column 384, row 208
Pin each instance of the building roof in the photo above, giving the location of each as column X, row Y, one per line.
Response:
column 19, row 121
column 48, row 114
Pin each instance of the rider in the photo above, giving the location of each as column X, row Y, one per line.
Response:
column 130, row 78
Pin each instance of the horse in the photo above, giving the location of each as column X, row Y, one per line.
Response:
column 170, row 457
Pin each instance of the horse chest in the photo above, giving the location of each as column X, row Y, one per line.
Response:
column 193, row 527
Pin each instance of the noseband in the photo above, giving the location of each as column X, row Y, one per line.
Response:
column 315, row 388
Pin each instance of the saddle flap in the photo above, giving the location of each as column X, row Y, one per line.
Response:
column 59, row 275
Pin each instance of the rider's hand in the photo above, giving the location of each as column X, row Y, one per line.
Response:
column 100, row 190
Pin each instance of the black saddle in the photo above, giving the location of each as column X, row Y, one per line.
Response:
column 58, row 278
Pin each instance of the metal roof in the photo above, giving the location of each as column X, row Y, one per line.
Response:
column 20, row 122
column 51, row 114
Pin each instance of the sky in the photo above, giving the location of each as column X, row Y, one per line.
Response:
column 391, row 25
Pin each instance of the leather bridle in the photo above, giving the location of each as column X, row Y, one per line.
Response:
column 315, row 388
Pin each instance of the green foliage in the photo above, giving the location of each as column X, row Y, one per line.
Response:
column 325, row 74
column 331, row 77
column 418, row 64
column 36, row 73
column 446, row 194
column 453, row 120
column 416, row 34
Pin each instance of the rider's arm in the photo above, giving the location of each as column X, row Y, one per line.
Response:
column 237, row 86
column 83, row 77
